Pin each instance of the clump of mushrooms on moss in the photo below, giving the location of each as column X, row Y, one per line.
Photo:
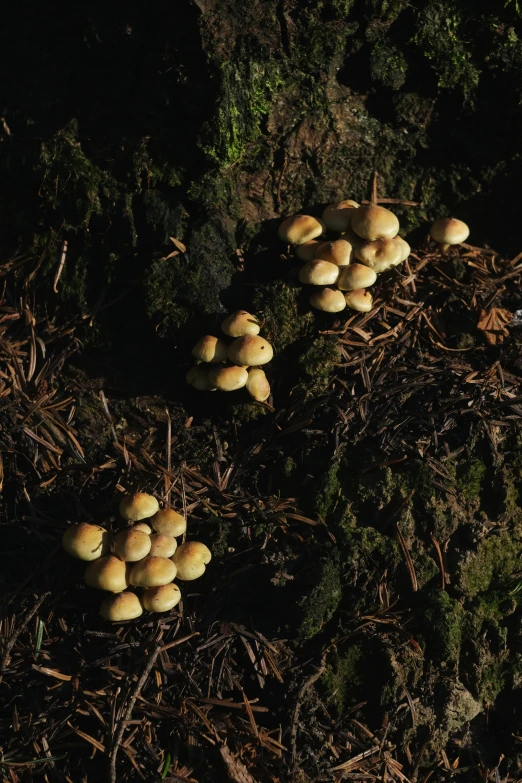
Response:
column 144, row 555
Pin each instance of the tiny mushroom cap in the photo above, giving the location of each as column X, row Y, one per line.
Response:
column 338, row 252
column 199, row 378
column 300, row 228
column 107, row 573
column 250, row 351
column 143, row 527
column 161, row 599
column 239, row 323
column 131, row 545
column 124, row 606
column 330, row 300
column 210, row 349
column 356, row 276
column 152, row 572
column 229, row 378
column 190, row 560
column 449, row 231
column 138, row 506
column 86, row 542
column 373, row 222
column 318, row 272
column 306, row 251
column 162, row 546
column 337, row 217
column 380, row 254
column 360, row 300
column 169, row 522
column 257, row 384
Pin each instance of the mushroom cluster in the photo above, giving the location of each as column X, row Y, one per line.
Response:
column 228, row 365
column 341, row 270
column 145, row 555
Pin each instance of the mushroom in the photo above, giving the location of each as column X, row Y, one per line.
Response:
column 338, row 216
column 210, row 349
column 356, row 276
column 229, row 378
column 162, row 546
column 373, row 222
column 131, row 545
column 107, row 573
column 318, row 272
column 257, row 384
column 250, row 350
column 190, row 559
column 406, row 249
column 239, row 323
column 138, row 506
column 168, row 522
column 360, row 300
column 198, row 377
column 300, row 228
column 380, row 254
column 152, row 572
column 449, row 231
column 143, row 527
column 124, row 606
column 338, row 252
column 330, row 300
column 306, row 251
column 161, row 599
column 86, row 542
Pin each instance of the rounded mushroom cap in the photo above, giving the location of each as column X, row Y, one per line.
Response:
column 406, row 249
column 373, row 222
column 318, row 272
column 257, row 384
column 161, row 599
column 306, row 251
column 138, row 506
column 107, row 573
column 162, row 545
column 300, row 228
column 190, row 560
column 356, row 276
column 339, row 252
column 169, row 522
column 210, row 349
column 330, row 300
column 229, row 378
column 124, row 606
column 152, row 572
column 143, row 527
column 239, row 323
column 380, row 254
column 198, row 377
column 250, row 351
column 131, row 545
column 360, row 300
column 338, row 216
column 86, row 542
column 449, row 231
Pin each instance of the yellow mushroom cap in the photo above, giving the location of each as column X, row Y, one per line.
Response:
column 318, row 272
column 339, row 252
column 360, row 300
column 138, row 506
column 169, row 522
column 198, row 377
column 107, row 573
column 257, row 384
column 337, row 217
column 356, row 276
column 380, row 254
column 143, row 527
column 131, row 545
column 162, row 545
column 190, row 560
column 406, row 249
column 239, row 323
column 210, row 349
column 124, row 606
column 306, row 251
column 229, row 378
column 86, row 542
column 250, row 350
column 449, row 231
column 330, row 300
column 300, row 228
column 152, row 572
column 161, row 599
column 373, row 222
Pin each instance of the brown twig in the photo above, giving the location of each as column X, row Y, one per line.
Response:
column 14, row 638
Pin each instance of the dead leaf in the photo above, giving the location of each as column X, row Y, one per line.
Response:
column 493, row 322
column 181, row 247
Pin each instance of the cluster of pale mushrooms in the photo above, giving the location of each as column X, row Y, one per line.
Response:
column 228, row 366
column 341, row 270
column 145, row 555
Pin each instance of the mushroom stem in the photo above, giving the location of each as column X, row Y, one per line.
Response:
column 443, row 248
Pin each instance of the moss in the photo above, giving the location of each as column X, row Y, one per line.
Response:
column 471, row 481
column 343, row 676
column 285, row 318
column 320, row 604
column 318, row 363
column 327, row 494
column 496, row 558
column 388, row 65
column 442, row 627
